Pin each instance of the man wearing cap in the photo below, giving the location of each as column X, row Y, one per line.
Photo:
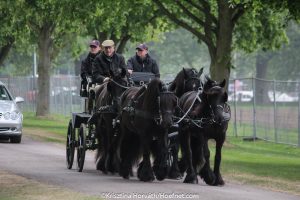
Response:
column 86, row 65
column 107, row 60
column 142, row 62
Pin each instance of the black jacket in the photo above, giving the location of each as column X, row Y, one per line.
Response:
column 136, row 64
column 86, row 65
column 103, row 64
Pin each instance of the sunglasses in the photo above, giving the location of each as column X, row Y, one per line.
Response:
column 93, row 47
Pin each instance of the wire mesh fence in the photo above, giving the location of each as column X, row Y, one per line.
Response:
column 64, row 93
column 264, row 109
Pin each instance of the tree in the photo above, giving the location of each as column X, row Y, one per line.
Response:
column 215, row 23
column 212, row 22
column 50, row 22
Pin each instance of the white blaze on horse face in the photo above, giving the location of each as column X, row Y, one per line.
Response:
column 194, row 85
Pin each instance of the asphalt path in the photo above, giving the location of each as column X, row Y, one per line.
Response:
column 45, row 162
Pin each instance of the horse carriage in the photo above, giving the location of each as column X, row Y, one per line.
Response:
column 129, row 123
column 81, row 132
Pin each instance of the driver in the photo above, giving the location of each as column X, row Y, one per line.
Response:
column 142, row 61
column 108, row 60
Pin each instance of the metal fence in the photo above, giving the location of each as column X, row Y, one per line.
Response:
column 64, row 93
column 268, row 110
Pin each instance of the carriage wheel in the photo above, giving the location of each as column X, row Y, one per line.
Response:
column 81, row 147
column 70, row 145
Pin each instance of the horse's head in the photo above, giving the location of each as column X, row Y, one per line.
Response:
column 167, row 105
column 192, row 80
column 216, row 97
column 188, row 79
column 117, row 84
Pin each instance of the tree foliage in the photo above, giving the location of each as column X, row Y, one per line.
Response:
column 12, row 26
column 123, row 21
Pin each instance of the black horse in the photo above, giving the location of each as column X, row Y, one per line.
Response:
column 147, row 115
column 215, row 95
column 106, row 111
column 205, row 116
column 188, row 79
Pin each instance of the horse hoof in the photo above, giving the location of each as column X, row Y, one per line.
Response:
column 208, row 177
column 192, row 179
column 176, row 175
column 160, row 173
column 146, row 178
column 219, row 181
column 126, row 177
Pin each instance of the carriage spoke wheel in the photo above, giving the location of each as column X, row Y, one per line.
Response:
column 81, row 147
column 70, row 145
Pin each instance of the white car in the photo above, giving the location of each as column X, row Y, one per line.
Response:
column 244, row 96
column 11, row 117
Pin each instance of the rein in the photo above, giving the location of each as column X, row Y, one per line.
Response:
column 187, row 112
column 111, row 108
column 122, row 86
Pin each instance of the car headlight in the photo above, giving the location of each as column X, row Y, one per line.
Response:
column 14, row 115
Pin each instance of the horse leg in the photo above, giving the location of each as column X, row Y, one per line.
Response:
column 198, row 154
column 206, row 172
column 109, row 164
column 129, row 151
column 174, row 172
column 160, row 151
column 145, row 172
column 100, row 162
column 219, row 179
column 191, row 176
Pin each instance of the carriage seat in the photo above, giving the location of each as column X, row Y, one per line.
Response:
column 141, row 78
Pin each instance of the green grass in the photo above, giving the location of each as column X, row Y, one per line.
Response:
column 262, row 158
column 55, row 123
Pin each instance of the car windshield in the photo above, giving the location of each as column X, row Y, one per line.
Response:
column 4, row 95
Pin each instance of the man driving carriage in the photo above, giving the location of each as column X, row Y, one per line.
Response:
column 107, row 60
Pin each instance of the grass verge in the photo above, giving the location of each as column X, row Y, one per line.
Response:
column 13, row 187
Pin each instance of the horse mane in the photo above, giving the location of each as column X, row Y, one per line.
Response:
column 151, row 94
column 177, row 86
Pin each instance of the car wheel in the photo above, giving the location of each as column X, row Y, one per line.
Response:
column 16, row 139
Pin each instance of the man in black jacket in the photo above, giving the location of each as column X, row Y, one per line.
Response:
column 86, row 64
column 108, row 60
column 142, row 62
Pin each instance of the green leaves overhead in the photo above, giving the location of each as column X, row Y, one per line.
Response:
column 261, row 28
column 137, row 21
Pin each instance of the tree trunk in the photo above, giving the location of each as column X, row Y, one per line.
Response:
column 261, row 89
column 4, row 50
column 122, row 43
column 221, row 57
column 44, row 65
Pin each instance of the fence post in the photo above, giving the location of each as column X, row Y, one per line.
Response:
column 234, row 104
column 275, row 112
column 254, row 108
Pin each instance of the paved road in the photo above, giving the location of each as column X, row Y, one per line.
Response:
column 45, row 162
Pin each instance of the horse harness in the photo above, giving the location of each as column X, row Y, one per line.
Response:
column 203, row 121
